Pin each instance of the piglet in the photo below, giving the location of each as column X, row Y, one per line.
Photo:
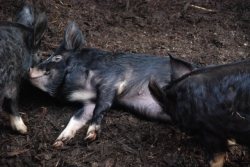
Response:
column 212, row 103
column 19, row 43
column 98, row 79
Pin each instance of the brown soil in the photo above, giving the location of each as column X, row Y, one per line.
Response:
column 217, row 33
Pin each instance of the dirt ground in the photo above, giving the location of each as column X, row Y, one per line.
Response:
column 201, row 31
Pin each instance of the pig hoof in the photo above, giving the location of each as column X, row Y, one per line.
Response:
column 91, row 136
column 23, row 130
column 66, row 135
column 231, row 142
column 58, row 144
column 18, row 125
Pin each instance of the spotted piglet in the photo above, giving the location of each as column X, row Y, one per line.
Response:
column 99, row 79
column 19, row 43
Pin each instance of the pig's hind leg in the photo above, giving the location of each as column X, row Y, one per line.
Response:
column 11, row 107
column 146, row 106
column 76, row 122
column 215, row 147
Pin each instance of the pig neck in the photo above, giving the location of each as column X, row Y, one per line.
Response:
column 168, row 107
column 59, row 93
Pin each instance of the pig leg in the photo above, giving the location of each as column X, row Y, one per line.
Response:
column 218, row 160
column 216, row 148
column 146, row 106
column 103, row 104
column 11, row 106
column 76, row 122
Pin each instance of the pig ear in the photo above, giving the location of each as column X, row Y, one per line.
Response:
column 25, row 15
column 40, row 28
column 73, row 37
column 180, row 67
column 156, row 91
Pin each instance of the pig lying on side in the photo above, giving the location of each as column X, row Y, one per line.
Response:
column 212, row 103
column 19, row 43
column 97, row 79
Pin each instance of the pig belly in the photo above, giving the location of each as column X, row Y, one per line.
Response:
column 145, row 106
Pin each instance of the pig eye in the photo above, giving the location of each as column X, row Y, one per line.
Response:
column 56, row 58
column 47, row 73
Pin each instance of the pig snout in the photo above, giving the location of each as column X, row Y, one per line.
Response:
column 31, row 73
column 35, row 73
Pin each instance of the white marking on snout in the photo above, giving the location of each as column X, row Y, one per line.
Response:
column 40, row 82
column 17, row 124
column 121, row 87
column 35, row 73
column 82, row 95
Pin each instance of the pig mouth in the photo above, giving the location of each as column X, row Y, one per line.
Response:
column 33, row 78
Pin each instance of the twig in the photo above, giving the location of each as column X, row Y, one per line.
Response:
column 54, row 21
column 240, row 115
column 152, row 145
column 205, row 9
column 11, row 154
column 44, row 113
column 61, row 2
column 237, row 114
column 57, row 163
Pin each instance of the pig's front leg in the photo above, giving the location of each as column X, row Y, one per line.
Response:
column 11, row 107
column 76, row 122
column 104, row 101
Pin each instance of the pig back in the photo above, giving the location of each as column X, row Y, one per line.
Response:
column 15, row 59
column 214, row 99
